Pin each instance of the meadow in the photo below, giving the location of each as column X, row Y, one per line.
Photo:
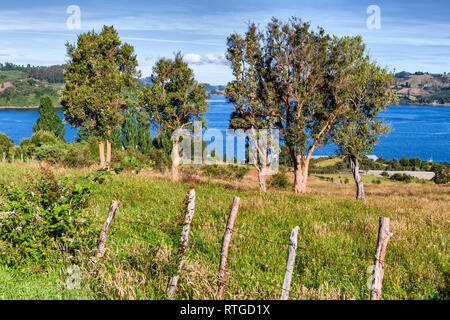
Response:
column 336, row 241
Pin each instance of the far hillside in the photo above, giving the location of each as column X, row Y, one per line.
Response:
column 423, row 88
column 24, row 85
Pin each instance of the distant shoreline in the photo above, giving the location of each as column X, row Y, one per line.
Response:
column 24, row 107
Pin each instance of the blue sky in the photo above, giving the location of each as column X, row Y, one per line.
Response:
column 414, row 35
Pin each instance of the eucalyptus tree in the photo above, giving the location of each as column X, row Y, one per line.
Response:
column 99, row 71
column 250, row 112
column 297, row 66
column 48, row 118
column 363, row 90
column 174, row 101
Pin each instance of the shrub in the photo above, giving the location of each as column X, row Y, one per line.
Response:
column 401, row 177
column 78, row 156
column 51, row 153
column 279, row 179
column 41, row 138
column 160, row 158
column 5, row 144
column 442, row 175
column 45, row 213
column 27, row 148
column 227, row 172
column 385, row 174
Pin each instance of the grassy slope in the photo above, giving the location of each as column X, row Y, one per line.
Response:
column 336, row 241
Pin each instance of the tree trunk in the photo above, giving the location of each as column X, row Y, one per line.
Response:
column 300, row 175
column 175, row 160
column 101, row 149
column 354, row 165
column 262, row 177
column 108, row 154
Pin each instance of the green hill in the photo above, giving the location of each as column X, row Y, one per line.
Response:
column 423, row 88
column 23, row 86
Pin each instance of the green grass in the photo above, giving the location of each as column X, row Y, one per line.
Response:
column 337, row 239
column 11, row 75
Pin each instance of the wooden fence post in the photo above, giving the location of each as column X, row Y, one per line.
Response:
column 103, row 234
column 380, row 251
column 184, row 239
column 225, row 246
column 4, row 157
column 289, row 264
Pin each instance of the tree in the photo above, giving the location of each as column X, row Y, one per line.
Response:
column 404, row 161
column 174, row 101
column 135, row 131
column 5, row 144
column 297, row 65
column 100, row 69
column 250, row 112
column 364, row 89
column 48, row 119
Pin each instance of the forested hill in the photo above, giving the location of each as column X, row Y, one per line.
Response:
column 24, row 85
column 423, row 88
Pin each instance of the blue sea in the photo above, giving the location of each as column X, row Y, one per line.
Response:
column 416, row 131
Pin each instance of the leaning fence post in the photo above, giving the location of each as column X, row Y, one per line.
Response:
column 225, row 246
column 380, row 251
column 289, row 264
column 103, row 234
column 184, row 239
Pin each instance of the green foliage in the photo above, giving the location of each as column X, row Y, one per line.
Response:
column 48, row 119
column 280, row 179
column 99, row 70
column 385, row 174
column 41, row 138
column 45, row 213
column 442, row 175
column 175, row 99
column 79, row 155
column 5, row 144
column 135, row 132
column 402, row 177
column 227, row 172
column 131, row 160
column 51, row 153
column 404, row 161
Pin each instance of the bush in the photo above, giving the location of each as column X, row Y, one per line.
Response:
column 41, row 138
column 5, row 144
column 385, row 174
column 45, row 213
column 402, row 177
column 279, row 179
column 442, row 175
column 78, row 156
column 27, row 148
column 160, row 158
column 227, row 172
column 51, row 153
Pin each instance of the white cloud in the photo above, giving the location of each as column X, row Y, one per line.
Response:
column 193, row 58
column 209, row 58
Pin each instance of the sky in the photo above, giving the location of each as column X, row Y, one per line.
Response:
column 409, row 35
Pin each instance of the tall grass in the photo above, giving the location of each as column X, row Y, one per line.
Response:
column 337, row 239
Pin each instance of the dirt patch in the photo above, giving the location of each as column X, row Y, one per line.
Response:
column 5, row 85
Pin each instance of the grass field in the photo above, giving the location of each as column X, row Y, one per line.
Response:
column 337, row 239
